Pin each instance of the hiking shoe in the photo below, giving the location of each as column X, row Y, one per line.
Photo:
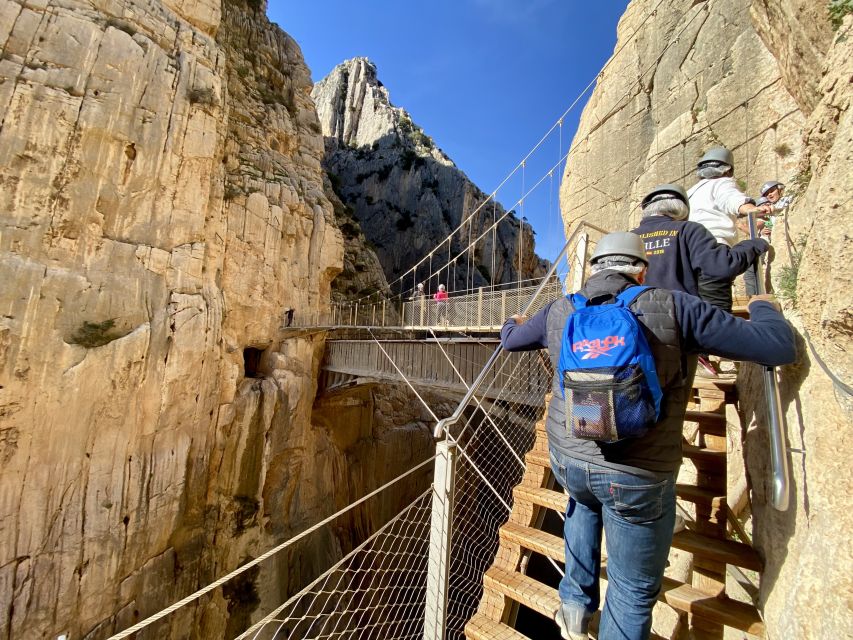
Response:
column 571, row 621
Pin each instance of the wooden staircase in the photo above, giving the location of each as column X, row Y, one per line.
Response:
column 702, row 604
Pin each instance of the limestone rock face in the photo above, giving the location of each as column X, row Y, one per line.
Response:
column 769, row 80
column 362, row 274
column 162, row 204
column 406, row 194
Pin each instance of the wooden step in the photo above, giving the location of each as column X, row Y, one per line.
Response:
column 541, row 542
column 697, row 454
column 545, row 600
column 548, row 498
column 537, row 458
column 722, row 610
column 699, row 495
column 558, row 500
column 551, row 546
column 703, row 456
column 480, row 627
column 709, row 421
column 523, row 589
column 719, row 384
column 727, row 551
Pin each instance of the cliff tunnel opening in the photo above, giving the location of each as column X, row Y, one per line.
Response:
column 252, row 362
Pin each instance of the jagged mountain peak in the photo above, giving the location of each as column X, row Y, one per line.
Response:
column 355, row 110
column 404, row 191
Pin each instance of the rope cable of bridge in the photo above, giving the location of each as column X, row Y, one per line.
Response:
column 271, row 617
column 576, row 143
column 558, row 124
column 479, row 404
column 403, row 376
column 271, row 552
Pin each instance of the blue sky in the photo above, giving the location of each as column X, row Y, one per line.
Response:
column 485, row 78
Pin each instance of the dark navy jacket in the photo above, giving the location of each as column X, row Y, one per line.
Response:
column 765, row 338
column 680, row 251
column 676, row 325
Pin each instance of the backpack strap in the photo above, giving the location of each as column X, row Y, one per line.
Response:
column 631, row 293
column 577, row 301
column 646, row 361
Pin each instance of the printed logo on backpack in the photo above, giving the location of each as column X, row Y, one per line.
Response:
column 607, row 371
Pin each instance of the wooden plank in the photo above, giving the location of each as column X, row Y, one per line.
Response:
column 548, row 545
column 716, row 550
column 541, row 497
column 523, row 589
column 481, row 627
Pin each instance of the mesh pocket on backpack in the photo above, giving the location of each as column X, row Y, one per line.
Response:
column 607, row 403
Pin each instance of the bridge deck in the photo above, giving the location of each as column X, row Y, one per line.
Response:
column 424, row 363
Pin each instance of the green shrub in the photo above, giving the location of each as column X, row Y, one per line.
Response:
column 788, row 282
column 205, row 96
column 783, row 150
column 94, row 334
column 837, row 10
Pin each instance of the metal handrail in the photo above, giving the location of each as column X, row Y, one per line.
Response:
column 443, row 425
column 780, row 493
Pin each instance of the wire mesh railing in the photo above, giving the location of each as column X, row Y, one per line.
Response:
column 420, row 575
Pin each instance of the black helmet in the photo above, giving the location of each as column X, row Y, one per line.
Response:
column 620, row 243
column 672, row 189
column 718, row 154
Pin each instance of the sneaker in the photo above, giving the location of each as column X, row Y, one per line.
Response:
column 567, row 619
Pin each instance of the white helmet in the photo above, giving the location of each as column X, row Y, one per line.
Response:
column 441, row 287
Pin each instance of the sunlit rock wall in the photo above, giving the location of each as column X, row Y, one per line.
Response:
column 161, row 207
column 770, row 80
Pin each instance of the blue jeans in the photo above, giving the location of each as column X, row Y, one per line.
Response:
column 637, row 515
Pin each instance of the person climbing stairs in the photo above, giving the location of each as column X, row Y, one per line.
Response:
column 702, row 604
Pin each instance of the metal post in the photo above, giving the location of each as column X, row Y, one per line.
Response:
column 438, row 566
column 503, row 305
column 356, row 314
column 578, row 267
column 480, row 307
column 383, row 312
column 373, row 315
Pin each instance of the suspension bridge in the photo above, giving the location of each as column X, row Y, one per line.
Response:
column 478, row 554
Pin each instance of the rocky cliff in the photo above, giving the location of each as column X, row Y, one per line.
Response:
column 405, row 193
column 770, row 80
column 163, row 206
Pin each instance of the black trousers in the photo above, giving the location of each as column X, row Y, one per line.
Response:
column 716, row 292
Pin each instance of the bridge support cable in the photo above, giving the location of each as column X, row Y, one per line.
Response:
column 264, row 556
column 309, row 608
column 484, row 477
column 479, row 404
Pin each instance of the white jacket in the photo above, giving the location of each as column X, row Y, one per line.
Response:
column 714, row 204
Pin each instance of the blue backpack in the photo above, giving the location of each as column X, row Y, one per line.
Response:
column 607, row 372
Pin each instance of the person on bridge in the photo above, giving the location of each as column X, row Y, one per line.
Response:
column 440, row 298
column 627, row 487
column 716, row 203
column 679, row 251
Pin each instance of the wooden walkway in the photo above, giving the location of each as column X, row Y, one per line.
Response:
column 432, row 362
